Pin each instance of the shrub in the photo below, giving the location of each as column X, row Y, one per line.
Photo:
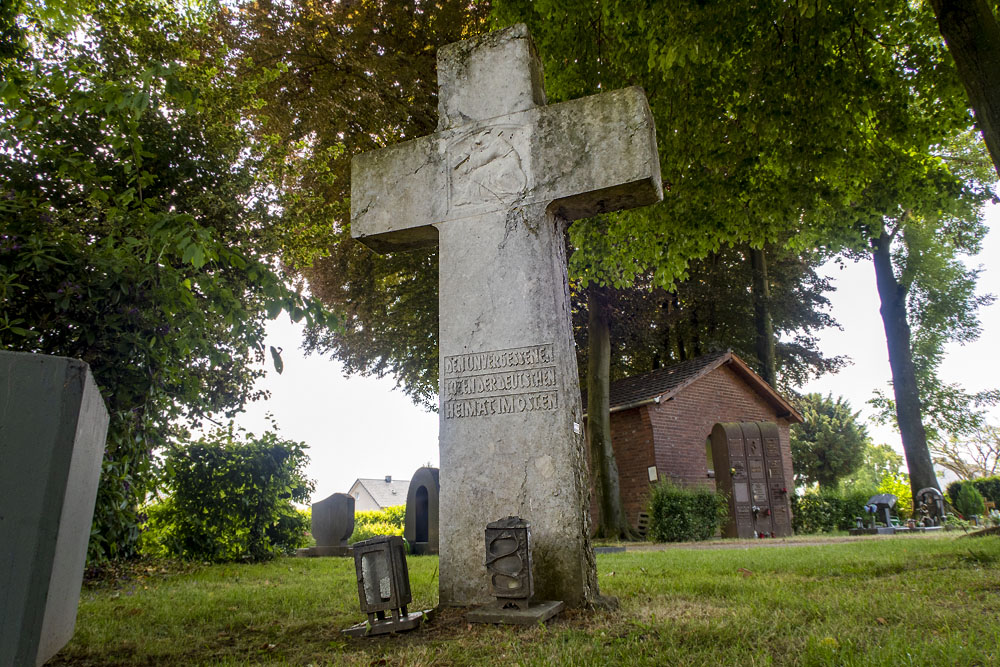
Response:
column 989, row 487
column 814, row 513
column 898, row 484
column 372, row 523
column 229, row 500
column 825, row 511
column 951, row 492
column 968, row 501
column 679, row 514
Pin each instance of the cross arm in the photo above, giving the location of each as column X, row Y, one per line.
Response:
column 597, row 154
column 581, row 158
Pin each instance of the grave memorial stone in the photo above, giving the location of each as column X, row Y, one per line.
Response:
column 495, row 188
column 53, row 425
column 422, row 508
column 332, row 525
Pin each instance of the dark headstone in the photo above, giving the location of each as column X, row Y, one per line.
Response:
column 421, row 527
column 53, row 426
column 332, row 525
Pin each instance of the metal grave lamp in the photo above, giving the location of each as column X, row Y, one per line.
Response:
column 508, row 564
column 383, row 586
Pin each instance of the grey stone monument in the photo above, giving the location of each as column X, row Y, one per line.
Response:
column 495, row 188
column 421, row 528
column 53, row 425
column 332, row 525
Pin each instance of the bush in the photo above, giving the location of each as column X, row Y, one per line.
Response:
column 989, row 487
column 678, row 514
column 826, row 511
column 968, row 501
column 898, row 484
column 388, row 521
column 951, row 492
column 814, row 513
column 230, row 500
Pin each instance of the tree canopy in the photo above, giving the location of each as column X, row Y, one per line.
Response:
column 830, row 444
column 135, row 229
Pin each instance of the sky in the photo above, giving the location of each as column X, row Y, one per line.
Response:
column 363, row 427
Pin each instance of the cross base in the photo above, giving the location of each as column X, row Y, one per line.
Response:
column 496, row 612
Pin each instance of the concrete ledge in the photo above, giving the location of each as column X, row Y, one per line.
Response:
column 314, row 552
column 537, row 612
column 409, row 622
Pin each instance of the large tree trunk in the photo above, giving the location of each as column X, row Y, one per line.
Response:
column 892, row 296
column 973, row 37
column 763, row 329
column 603, row 468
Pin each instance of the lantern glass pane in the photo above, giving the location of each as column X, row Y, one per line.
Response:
column 376, row 575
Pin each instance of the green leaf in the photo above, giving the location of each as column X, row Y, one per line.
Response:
column 279, row 365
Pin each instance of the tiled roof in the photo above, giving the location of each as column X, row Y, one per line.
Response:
column 664, row 380
column 386, row 494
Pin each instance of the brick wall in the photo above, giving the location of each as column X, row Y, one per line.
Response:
column 672, row 435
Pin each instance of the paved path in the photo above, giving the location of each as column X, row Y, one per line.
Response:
column 775, row 542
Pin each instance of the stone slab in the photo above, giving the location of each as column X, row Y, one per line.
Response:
column 409, row 622
column 53, row 425
column 609, row 550
column 319, row 552
column 537, row 612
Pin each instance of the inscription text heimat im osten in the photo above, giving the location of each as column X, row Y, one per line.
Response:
column 500, row 382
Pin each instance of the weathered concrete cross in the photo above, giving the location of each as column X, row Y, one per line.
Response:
column 495, row 187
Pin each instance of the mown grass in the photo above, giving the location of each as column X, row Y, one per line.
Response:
column 890, row 601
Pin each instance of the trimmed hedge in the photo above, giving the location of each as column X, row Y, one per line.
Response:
column 678, row 514
column 988, row 487
column 824, row 512
column 373, row 523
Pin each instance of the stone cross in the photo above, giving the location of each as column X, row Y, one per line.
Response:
column 495, row 187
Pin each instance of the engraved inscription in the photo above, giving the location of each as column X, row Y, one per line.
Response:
column 500, row 382
column 486, row 168
column 489, row 383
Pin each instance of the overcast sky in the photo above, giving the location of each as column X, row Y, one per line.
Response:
column 364, row 427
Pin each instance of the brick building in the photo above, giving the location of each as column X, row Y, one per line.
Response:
column 661, row 422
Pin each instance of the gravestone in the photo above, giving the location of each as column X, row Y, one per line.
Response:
column 53, row 425
column 494, row 188
column 422, row 510
column 332, row 525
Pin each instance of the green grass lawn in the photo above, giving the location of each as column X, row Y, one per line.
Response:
column 911, row 600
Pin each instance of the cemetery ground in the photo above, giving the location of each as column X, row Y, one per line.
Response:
column 905, row 600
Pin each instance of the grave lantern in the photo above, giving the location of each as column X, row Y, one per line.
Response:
column 383, row 586
column 508, row 566
column 508, row 561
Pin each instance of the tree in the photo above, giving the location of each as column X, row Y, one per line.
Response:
column 133, row 228
column 878, row 462
column 830, row 444
column 349, row 78
column 710, row 310
column 230, row 496
column 971, row 29
column 973, row 456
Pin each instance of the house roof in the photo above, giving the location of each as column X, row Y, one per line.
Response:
column 386, row 494
column 665, row 383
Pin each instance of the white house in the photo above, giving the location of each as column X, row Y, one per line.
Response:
column 377, row 494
